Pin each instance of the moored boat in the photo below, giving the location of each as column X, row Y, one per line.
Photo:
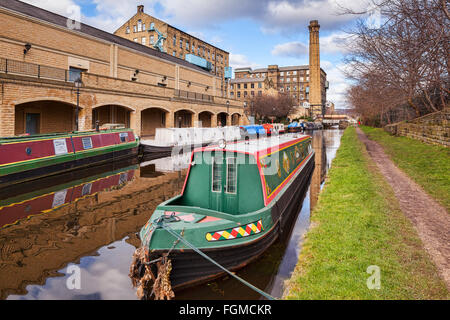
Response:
column 31, row 157
column 236, row 201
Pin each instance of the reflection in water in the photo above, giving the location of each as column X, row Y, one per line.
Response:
column 42, row 233
column 91, row 221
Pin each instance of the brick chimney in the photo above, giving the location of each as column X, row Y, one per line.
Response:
column 140, row 8
column 315, row 93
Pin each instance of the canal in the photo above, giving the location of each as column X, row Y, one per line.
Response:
column 73, row 237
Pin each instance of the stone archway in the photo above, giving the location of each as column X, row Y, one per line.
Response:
column 205, row 117
column 235, row 119
column 222, row 119
column 44, row 116
column 182, row 119
column 111, row 114
column 151, row 119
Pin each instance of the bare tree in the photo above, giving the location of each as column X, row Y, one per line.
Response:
column 271, row 106
column 403, row 61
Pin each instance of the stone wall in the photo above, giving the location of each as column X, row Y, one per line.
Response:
column 434, row 128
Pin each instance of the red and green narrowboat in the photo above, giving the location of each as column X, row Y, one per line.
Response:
column 32, row 157
column 236, row 201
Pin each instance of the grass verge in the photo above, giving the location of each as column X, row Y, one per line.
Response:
column 428, row 165
column 357, row 223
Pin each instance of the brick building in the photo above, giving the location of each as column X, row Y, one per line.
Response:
column 42, row 54
column 305, row 84
column 292, row 80
column 142, row 28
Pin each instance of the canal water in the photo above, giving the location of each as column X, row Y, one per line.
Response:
column 73, row 237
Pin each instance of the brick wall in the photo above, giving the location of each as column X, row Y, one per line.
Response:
column 433, row 128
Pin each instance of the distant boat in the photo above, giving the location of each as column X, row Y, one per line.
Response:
column 236, row 201
column 31, row 157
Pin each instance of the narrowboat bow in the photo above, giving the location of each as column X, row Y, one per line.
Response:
column 236, row 201
column 32, row 157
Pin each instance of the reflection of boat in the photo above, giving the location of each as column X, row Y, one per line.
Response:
column 32, row 157
column 44, row 200
column 234, row 205
column 170, row 164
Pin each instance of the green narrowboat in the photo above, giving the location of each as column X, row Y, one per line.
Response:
column 31, row 157
column 236, row 201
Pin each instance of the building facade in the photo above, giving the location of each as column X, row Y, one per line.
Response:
column 293, row 80
column 143, row 28
column 124, row 82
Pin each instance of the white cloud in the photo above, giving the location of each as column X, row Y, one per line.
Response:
column 290, row 49
column 338, row 83
column 241, row 61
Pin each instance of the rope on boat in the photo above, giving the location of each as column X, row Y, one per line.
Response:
column 162, row 224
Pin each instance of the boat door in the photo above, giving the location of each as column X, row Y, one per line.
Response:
column 224, row 176
column 32, row 123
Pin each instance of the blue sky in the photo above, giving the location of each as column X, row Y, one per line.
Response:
column 256, row 33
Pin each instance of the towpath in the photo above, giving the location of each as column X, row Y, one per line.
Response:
column 430, row 219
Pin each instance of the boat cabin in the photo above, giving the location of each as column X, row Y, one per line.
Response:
column 245, row 176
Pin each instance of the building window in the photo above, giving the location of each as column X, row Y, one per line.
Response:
column 139, row 26
column 252, row 93
column 152, row 39
column 294, row 79
column 74, row 73
column 260, row 85
column 245, row 93
column 181, row 43
column 134, row 29
column 174, row 40
column 239, row 94
column 127, row 31
column 245, row 86
column 301, row 79
column 143, row 27
column 174, row 53
column 232, row 93
column 288, row 80
column 181, row 55
column 193, row 47
column 239, row 85
column 135, row 39
column 260, row 93
column 144, row 40
column 187, row 45
column 252, row 86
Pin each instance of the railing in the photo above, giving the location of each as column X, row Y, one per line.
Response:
column 35, row 70
column 193, row 95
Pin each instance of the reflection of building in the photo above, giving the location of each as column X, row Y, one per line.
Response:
column 123, row 82
column 318, row 144
column 38, row 246
column 142, row 28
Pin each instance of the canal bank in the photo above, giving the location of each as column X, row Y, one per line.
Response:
column 357, row 230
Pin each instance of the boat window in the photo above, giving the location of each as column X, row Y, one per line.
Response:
column 231, row 175
column 216, row 175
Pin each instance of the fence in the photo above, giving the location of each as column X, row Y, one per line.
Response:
column 35, row 70
column 193, row 95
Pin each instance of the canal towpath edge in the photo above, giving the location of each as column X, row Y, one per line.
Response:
column 430, row 219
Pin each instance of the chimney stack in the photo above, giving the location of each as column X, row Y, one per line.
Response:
column 140, row 8
column 315, row 89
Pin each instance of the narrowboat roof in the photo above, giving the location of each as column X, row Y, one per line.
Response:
column 255, row 146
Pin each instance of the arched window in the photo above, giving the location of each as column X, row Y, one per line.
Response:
column 139, row 25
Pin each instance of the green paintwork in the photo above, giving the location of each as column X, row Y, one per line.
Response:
column 231, row 211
